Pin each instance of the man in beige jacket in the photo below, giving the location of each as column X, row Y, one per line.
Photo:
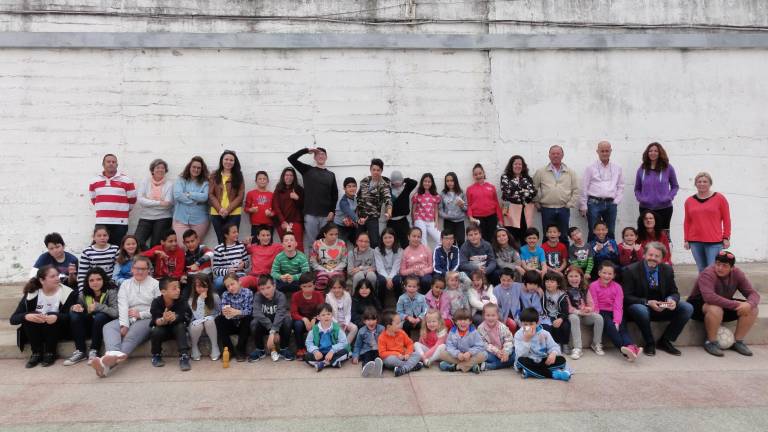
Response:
column 558, row 192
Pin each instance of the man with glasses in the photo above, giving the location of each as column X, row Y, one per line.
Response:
column 602, row 190
column 131, row 329
column 650, row 294
column 713, row 302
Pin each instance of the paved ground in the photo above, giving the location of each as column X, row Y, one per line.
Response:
column 696, row 392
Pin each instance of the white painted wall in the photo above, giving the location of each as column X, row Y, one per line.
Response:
column 436, row 111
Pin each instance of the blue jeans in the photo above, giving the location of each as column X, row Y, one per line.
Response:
column 704, row 253
column 642, row 315
column 492, row 362
column 619, row 337
column 83, row 323
column 559, row 216
column 601, row 210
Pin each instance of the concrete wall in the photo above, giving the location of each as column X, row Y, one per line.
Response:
column 419, row 110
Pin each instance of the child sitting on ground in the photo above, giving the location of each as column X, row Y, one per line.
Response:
column 411, row 306
column 362, row 300
column 538, row 355
column 464, row 348
column 396, row 348
column 499, row 341
column 326, row 343
column 432, row 337
column 366, row 351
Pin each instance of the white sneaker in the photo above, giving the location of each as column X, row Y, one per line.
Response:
column 75, row 358
column 215, row 354
column 379, row 366
column 275, row 356
column 576, row 353
column 368, row 369
column 598, row 349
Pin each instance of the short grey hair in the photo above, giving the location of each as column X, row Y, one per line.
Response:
column 157, row 162
column 658, row 246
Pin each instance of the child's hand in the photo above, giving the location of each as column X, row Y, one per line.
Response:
column 318, row 355
column 557, row 323
column 550, row 358
column 617, row 326
column 404, row 357
column 598, row 247
column 329, row 357
column 504, row 356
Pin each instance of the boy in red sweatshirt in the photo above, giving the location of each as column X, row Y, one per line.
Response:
column 167, row 258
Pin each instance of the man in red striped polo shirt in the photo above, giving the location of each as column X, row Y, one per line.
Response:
column 113, row 194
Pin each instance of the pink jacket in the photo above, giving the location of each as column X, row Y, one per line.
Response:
column 608, row 298
column 442, row 305
column 441, row 337
column 416, row 260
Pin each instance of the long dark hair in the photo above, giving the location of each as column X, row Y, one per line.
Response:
column 456, row 187
column 324, row 230
column 122, row 255
column 512, row 243
column 282, row 187
column 205, row 280
column 204, row 174
column 432, row 190
column 642, row 233
column 236, row 175
column 508, row 170
column 108, row 284
column 661, row 163
column 34, row 283
column 395, row 246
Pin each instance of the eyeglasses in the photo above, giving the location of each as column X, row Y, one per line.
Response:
column 141, row 268
column 726, row 254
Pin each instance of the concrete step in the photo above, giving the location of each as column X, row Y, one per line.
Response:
column 693, row 335
column 685, row 276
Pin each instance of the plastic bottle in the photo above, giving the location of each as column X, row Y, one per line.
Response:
column 225, row 358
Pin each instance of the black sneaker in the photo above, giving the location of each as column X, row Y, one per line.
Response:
column 713, row 348
column 157, row 360
column 649, row 350
column 418, row 367
column 48, row 359
column 33, row 361
column 400, row 371
column 741, row 348
column 666, row 345
column 184, row 364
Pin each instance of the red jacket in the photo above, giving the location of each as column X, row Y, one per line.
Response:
column 482, row 201
column 287, row 209
column 173, row 266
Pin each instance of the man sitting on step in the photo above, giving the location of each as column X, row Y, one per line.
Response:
column 713, row 302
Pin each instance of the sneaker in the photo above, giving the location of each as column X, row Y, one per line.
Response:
column 184, row 363
column 561, row 375
column 75, row 358
column 483, row 366
column 400, row 371
column 157, row 360
column 576, row 353
column 567, row 349
column 33, row 361
column 741, row 348
column 629, row 353
column 447, row 367
column 638, row 350
column 92, row 354
column 418, row 367
column 215, row 354
column 427, row 362
column 598, row 349
column 379, row 364
column 287, row 355
column 256, row 355
column 319, row 365
column 48, row 359
column 275, row 356
column 475, row 369
column 368, row 369
column 650, row 350
column 524, row 373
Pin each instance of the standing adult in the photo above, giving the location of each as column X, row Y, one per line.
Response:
column 190, row 197
column 373, row 194
column 131, row 329
column 707, row 222
column 43, row 313
column 483, row 204
column 517, row 195
column 601, row 191
column 401, row 189
column 648, row 230
column 113, row 194
column 713, row 302
column 650, row 294
column 155, row 197
column 288, row 205
column 558, row 192
column 656, row 184
column 226, row 190
column 321, row 192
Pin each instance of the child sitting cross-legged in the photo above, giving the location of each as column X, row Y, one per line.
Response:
column 538, row 355
column 432, row 337
column 499, row 341
column 366, row 351
column 326, row 343
column 396, row 348
column 464, row 348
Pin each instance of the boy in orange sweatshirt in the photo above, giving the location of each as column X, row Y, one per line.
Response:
column 396, row 348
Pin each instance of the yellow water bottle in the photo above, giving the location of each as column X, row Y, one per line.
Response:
column 225, row 358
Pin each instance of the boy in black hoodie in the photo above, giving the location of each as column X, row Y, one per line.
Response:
column 170, row 317
column 271, row 316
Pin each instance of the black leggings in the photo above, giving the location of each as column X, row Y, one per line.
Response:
column 488, row 225
column 44, row 338
column 540, row 370
column 458, row 230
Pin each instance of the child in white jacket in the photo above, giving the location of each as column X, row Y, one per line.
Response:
column 341, row 302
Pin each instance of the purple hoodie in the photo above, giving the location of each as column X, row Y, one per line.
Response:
column 656, row 190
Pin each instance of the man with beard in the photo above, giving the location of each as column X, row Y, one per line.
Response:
column 650, row 294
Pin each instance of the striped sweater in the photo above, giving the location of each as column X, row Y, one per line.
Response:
column 293, row 266
column 229, row 257
column 93, row 257
column 113, row 198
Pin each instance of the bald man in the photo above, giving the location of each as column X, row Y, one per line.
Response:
column 601, row 191
column 558, row 192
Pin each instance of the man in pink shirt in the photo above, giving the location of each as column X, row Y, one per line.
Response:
column 601, row 192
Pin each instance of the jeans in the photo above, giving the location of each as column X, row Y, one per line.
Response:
column 492, row 362
column 152, row 230
column 458, row 230
column 601, row 210
column 372, row 228
column 620, row 337
column 300, row 333
column 218, row 223
column 83, row 323
column 312, row 226
column 116, row 233
column 704, row 253
column 392, row 362
column 177, row 331
column 287, row 288
column 561, row 217
column 642, row 315
column 138, row 333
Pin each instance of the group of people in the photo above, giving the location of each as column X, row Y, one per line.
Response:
column 491, row 294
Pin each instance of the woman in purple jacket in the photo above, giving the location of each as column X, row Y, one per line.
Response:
column 656, row 184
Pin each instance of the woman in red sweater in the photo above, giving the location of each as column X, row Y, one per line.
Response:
column 288, row 206
column 707, row 224
column 483, row 204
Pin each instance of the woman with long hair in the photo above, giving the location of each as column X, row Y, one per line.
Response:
column 226, row 190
